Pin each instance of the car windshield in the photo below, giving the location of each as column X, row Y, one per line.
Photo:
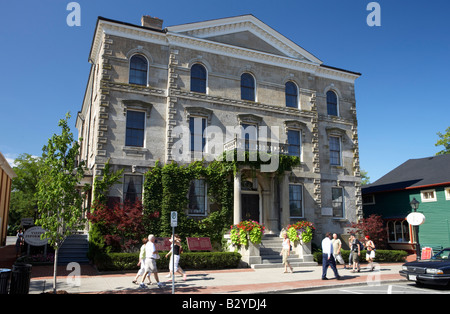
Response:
column 444, row 254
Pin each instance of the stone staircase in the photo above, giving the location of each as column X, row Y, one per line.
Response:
column 270, row 250
column 74, row 249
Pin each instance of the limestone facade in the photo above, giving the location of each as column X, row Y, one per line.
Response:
column 226, row 48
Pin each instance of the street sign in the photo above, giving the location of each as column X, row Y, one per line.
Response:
column 415, row 219
column 173, row 219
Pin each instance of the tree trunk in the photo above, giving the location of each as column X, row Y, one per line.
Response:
column 55, row 267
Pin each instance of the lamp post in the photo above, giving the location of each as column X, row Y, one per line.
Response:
column 415, row 205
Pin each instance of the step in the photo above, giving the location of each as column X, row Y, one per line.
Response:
column 74, row 249
column 280, row 265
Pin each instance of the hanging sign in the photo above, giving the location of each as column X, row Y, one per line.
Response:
column 415, row 219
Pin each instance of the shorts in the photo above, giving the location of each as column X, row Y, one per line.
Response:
column 370, row 254
column 150, row 265
column 338, row 258
column 355, row 257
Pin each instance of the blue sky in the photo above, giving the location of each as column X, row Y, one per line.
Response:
column 401, row 95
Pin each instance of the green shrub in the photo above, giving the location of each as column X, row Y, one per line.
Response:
column 381, row 256
column 188, row 261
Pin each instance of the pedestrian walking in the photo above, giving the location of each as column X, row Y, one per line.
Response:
column 285, row 252
column 151, row 255
column 355, row 247
column 176, row 249
column 141, row 263
column 19, row 242
column 370, row 252
column 337, row 245
column 327, row 257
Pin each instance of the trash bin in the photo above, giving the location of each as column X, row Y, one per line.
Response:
column 5, row 273
column 20, row 279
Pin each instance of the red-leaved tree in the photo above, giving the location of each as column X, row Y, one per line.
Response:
column 374, row 227
column 121, row 224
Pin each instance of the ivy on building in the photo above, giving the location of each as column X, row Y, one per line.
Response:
column 166, row 189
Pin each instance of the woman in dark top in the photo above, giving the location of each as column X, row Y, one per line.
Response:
column 176, row 250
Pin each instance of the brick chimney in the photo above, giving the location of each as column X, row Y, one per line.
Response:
column 152, row 22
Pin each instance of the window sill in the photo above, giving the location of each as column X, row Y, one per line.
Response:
column 134, row 151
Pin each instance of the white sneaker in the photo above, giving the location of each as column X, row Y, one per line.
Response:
column 160, row 285
column 142, row 285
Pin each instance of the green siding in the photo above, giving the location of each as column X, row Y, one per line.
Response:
column 435, row 230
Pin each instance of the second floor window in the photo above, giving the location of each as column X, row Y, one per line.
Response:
column 138, row 70
column 335, row 151
column 135, row 128
column 294, row 147
column 249, row 136
column 198, row 78
column 247, row 87
column 291, row 95
column 197, row 128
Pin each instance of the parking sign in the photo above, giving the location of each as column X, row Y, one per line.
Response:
column 173, row 219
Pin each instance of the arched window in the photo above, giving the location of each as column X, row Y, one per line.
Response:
column 138, row 70
column 247, row 87
column 198, row 78
column 291, row 95
column 332, row 105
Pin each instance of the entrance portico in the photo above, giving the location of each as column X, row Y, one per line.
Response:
column 261, row 197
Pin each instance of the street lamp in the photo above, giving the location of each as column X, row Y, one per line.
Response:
column 415, row 205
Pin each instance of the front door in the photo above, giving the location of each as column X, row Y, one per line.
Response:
column 250, row 206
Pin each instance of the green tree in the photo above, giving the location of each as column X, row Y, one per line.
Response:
column 24, row 188
column 59, row 199
column 444, row 141
column 365, row 179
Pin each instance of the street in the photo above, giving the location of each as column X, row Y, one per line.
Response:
column 395, row 288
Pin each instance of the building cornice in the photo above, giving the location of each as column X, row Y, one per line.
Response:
column 175, row 39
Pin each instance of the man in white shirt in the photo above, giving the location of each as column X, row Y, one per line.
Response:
column 327, row 257
column 151, row 255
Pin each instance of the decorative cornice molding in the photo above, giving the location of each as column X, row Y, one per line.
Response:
column 175, row 39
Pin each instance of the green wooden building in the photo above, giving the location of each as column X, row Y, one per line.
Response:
column 428, row 181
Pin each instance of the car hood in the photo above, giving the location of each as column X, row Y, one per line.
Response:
column 428, row 263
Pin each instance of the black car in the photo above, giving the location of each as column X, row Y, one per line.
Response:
column 434, row 271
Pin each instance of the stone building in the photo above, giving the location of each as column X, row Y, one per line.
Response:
column 151, row 88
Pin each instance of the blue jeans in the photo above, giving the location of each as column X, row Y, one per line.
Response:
column 328, row 262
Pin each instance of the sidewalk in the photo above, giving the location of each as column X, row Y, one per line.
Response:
column 231, row 281
column 87, row 280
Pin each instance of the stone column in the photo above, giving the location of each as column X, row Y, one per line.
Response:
column 237, row 206
column 284, row 199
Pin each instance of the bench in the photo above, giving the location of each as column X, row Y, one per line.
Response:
column 199, row 244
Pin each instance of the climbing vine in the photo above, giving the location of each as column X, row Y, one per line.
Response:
column 166, row 189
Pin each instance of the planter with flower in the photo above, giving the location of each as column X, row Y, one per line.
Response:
column 246, row 237
column 300, row 234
